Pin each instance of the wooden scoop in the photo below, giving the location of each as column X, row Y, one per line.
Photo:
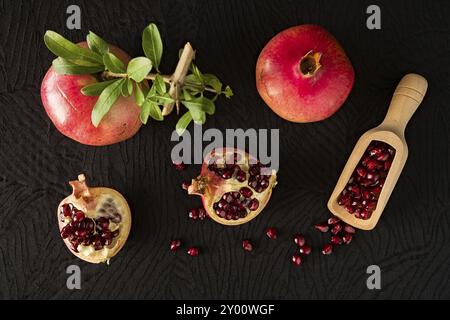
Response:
column 407, row 97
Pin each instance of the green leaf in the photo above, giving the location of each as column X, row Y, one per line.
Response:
column 197, row 73
column 113, row 64
column 195, row 107
column 161, row 99
column 160, row 84
column 183, row 123
column 97, row 44
column 191, row 79
column 212, row 81
column 138, row 68
column 152, row 44
column 228, row 92
column 200, row 104
column 66, row 49
column 186, row 95
column 139, row 95
column 151, row 109
column 127, row 88
column 63, row 66
column 95, row 89
column 107, row 98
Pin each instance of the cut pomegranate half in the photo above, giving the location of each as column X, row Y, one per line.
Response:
column 94, row 222
column 234, row 186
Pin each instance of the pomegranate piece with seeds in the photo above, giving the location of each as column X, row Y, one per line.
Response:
column 233, row 185
column 94, row 222
column 363, row 189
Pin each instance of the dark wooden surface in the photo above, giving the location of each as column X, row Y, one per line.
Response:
column 410, row 244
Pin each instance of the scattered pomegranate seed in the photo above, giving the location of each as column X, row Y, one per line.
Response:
column 333, row 220
column 336, row 229
column 193, row 214
column 349, row 229
column 299, row 240
column 246, row 244
column 336, row 240
column 175, row 244
column 296, row 259
column 322, row 227
column 306, row 250
column 327, row 249
column 347, row 238
column 179, row 166
column 193, row 251
column 271, row 233
column 202, row 215
column 185, row 185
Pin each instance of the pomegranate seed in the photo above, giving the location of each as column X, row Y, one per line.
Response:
column 241, row 176
column 347, row 238
column 254, row 204
column 175, row 244
column 305, row 250
column 336, row 229
column 192, row 251
column 271, row 233
column 327, row 249
column 322, row 227
column 333, row 220
column 185, row 185
column 66, row 231
column 78, row 216
column 179, row 166
column 246, row 192
column 193, row 214
column 296, row 259
column 336, row 240
column 299, row 240
column 66, row 210
column 247, row 245
column 103, row 223
column 361, row 172
column 349, row 229
column 383, row 157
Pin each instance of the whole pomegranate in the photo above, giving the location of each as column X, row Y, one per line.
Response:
column 303, row 74
column 94, row 222
column 70, row 110
column 234, row 186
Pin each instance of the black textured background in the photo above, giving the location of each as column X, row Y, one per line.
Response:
column 410, row 243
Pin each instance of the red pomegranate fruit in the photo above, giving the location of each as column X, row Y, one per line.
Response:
column 94, row 222
column 70, row 110
column 234, row 186
column 303, row 74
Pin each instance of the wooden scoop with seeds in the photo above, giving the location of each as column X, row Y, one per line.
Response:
column 407, row 97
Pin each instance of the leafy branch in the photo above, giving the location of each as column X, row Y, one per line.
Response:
column 187, row 86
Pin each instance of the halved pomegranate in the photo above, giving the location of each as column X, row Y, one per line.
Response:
column 234, row 186
column 94, row 222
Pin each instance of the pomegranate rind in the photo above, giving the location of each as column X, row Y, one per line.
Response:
column 211, row 187
column 88, row 207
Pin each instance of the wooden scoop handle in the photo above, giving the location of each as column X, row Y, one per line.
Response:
column 407, row 97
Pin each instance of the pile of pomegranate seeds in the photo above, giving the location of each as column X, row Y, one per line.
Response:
column 81, row 230
column 340, row 233
column 303, row 249
column 361, row 193
column 198, row 214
